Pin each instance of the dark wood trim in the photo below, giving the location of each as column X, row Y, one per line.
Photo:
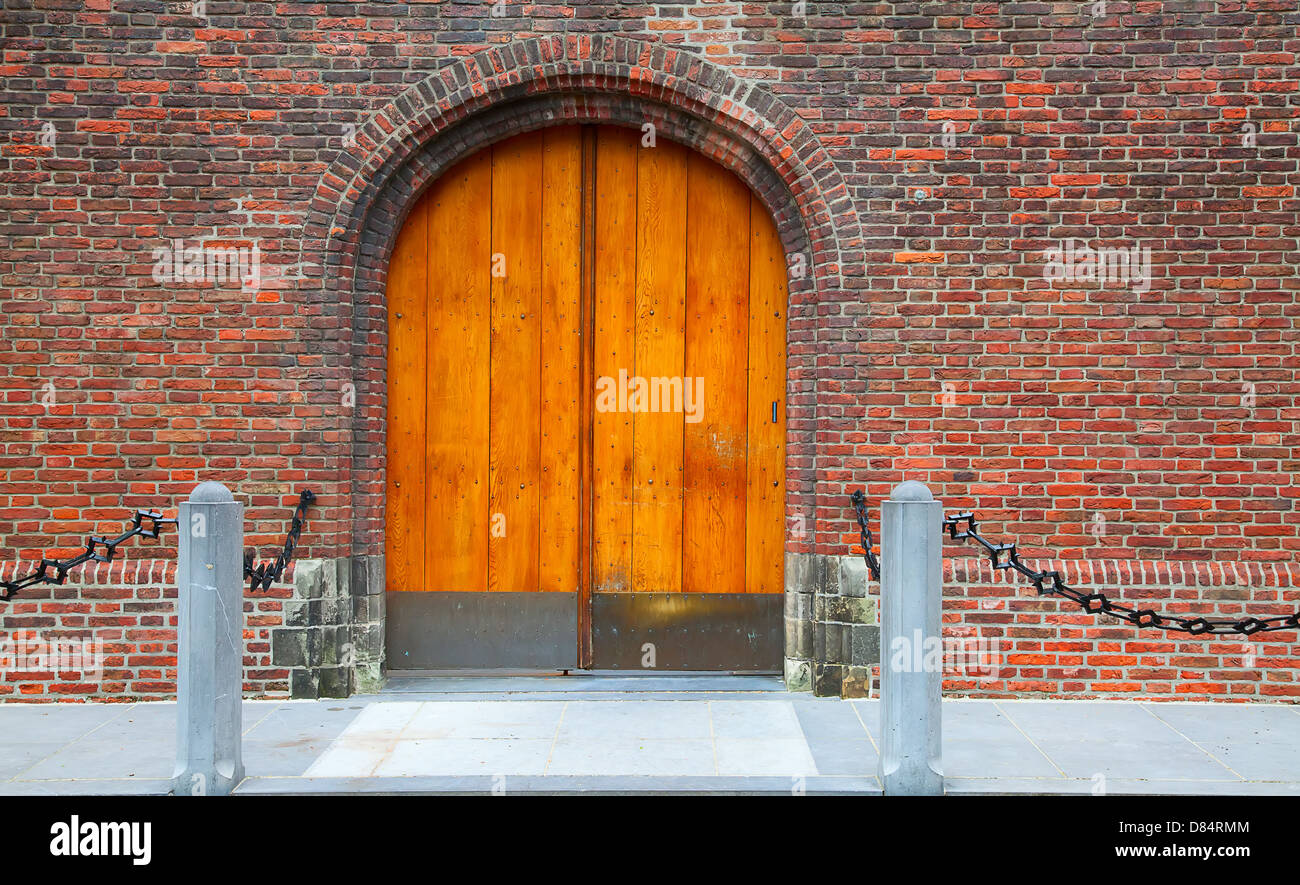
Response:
column 588, row 258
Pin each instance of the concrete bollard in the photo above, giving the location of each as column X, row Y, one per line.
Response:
column 210, row 582
column 911, row 644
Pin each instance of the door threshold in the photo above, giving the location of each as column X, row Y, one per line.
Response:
column 590, row 684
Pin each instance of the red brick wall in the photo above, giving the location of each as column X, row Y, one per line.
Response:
column 931, row 346
column 1044, row 646
column 110, row 634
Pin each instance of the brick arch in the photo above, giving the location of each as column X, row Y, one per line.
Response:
column 363, row 198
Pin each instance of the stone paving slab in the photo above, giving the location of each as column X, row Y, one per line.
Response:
column 1254, row 743
column 457, row 756
column 561, row 785
column 298, row 722
column 1015, row 786
column 90, row 787
column 617, row 736
column 658, row 741
column 855, row 758
column 657, row 695
column 603, row 683
column 644, row 720
column 626, row 756
column 980, row 740
column 1124, row 741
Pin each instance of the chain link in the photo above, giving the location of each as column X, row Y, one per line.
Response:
column 263, row 575
column 1004, row 556
column 1049, row 583
column 860, row 504
column 55, row 571
column 103, row 549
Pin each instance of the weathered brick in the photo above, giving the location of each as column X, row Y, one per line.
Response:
column 927, row 340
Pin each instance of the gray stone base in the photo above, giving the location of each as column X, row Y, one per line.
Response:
column 332, row 638
column 798, row 675
column 832, row 636
column 368, row 614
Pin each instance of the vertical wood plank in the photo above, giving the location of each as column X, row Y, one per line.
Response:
column 765, row 495
column 515, row 432
column 458, row 380
column 404, row 547
column 585, row 441
column 561, row 383
column 660, row 362
column 717, row 345
column 615, row 311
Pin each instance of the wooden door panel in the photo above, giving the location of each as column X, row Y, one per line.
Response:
column 658, row 434
column 561, row 417
column 765, row 490
column 459, row 378
column 514, row 462
column 614, row 352
column 717, row 348
column 529, row 278
column 404, row 540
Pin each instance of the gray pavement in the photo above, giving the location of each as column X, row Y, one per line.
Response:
column 596, row 734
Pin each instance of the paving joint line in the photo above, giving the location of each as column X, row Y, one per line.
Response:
column 713, row 740
column 269, row 714
column 857, row 712
column 555, row 739
column 1016, row 725
column 59, row 749
column 1175, row 730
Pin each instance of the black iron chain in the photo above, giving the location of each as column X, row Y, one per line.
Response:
column 55, row 571
column 1049, row 582
column 860, row 504
column 103, row 549
column 263, row 575
column 1004, row 556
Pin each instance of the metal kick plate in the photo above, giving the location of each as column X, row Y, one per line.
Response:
column 443, row 630
column 687, row 631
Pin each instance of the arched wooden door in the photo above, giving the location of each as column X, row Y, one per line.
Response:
column 586, row 413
